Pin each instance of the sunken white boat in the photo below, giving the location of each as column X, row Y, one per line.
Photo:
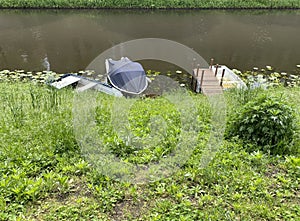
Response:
column 230, row 79
column 85, row 84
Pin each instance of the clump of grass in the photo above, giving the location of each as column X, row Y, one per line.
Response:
column 34, row 131
column 145, row 127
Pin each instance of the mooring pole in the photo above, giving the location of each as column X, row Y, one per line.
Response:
column 223, row 73
column 216, row 72
column 211, row 63
column 194, row 63
column 201, row 81
column 196, row 80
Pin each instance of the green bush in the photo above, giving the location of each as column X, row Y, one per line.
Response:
column 266, row 121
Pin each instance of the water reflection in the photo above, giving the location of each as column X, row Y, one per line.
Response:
column 70, row 40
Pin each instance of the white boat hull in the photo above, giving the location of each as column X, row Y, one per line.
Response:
column 230, row 79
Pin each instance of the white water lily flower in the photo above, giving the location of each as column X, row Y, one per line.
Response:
column 269, row 67
column 293, row 76
column 236, row 71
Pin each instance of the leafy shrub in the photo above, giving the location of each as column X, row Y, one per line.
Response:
column 266, row 121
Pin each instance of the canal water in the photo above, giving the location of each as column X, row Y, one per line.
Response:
column 69, row 40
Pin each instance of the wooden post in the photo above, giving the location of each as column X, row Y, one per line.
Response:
column 198, row 67
column 211, row 63
column 193, row 83
column 194, row 63
column 195, row 80
column 216, row 72
column 201, row 81
column 223, row 73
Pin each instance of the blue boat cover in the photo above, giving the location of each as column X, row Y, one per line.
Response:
column 126, row 75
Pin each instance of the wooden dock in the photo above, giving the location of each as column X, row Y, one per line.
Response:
column 204, row 81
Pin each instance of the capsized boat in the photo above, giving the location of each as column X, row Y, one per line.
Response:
column 126, row 75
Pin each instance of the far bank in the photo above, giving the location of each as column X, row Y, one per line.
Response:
column 150, row 4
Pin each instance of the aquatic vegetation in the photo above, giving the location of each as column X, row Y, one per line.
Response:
column 269, row 77
column 182, row 78
column 39, row 77
column 23, row 76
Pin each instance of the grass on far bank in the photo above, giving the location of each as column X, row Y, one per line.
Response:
column 43, row 175
column 149, row 4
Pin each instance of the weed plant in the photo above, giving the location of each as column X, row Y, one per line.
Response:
column 266, row 121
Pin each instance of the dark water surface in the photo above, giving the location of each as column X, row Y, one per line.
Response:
column 70, row 40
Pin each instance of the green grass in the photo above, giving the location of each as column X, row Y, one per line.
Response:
column 43, row 175
column 149, row 4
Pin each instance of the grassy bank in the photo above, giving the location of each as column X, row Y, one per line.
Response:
column 43, row 175
column 149, row 4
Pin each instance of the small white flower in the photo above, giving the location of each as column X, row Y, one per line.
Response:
column 283, row 73
column 255, row 68
column 178, row 72
column 298, row 65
